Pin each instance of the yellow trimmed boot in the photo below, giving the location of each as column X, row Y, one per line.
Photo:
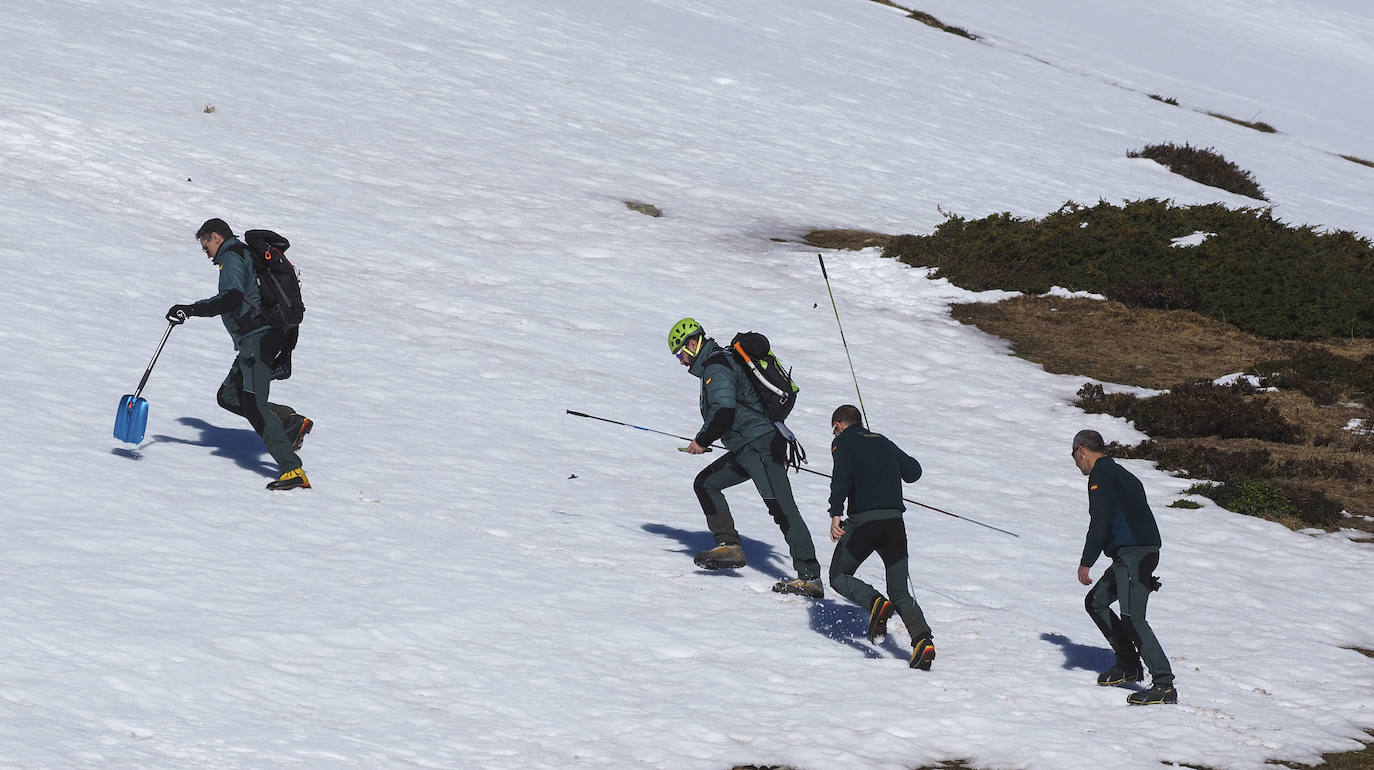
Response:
column 922, row 653
column 291, row 480
column 878, row 613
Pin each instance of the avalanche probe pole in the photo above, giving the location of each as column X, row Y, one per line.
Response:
column 808, row 470
column 846, row 344
column 933, row 508
column 636, row 427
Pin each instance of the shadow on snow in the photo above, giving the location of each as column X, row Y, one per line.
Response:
column 1082, row 656
column 843, row 623
column 242, row 446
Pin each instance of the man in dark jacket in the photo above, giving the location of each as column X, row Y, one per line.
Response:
column 244, row 391
column 731, row 412
column 1122, row 526
column 869, row 471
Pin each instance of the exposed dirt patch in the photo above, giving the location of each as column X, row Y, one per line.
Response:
column 849, row 240
column 647, row 209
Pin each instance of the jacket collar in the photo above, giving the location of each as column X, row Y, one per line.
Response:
column 230, row 244
column 698, row 366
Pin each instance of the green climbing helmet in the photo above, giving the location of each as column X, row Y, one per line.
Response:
column 682, row 331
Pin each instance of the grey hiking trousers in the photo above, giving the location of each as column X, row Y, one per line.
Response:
column 1127, row 582
column 763, row 460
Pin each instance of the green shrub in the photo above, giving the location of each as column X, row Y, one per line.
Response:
column 1204, row 166
column 1259, row 498
column 1181, row 503
column 1166, row 100
column 1324, row 376
column 1313, row 507
column 1194, row 409
column 1258, row 274
column 1202, row 462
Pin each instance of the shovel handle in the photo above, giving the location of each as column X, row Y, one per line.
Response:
column 149, row 370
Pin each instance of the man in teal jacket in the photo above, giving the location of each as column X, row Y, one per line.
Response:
column 869, row 471
column 244, row 391
column 1122, row 526
column 732, row 413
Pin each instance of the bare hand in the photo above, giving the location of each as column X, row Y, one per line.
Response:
column 836, row 528
column 1083, row 576
column 695, row 449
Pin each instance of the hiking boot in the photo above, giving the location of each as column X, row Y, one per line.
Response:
column 296, row 427
column 1120, row 674
column 878, row 613
column 1159, row 693
column 721, row 557
column 922, row 653
column 801, row 586
column 291, row 480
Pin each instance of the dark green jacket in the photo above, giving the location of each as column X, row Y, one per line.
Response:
column 730, row 410
column 238, row 295
column 1118, row 513
column 869, row 471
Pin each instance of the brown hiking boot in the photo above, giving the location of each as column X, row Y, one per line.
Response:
column 721, row 557
column 810, row 587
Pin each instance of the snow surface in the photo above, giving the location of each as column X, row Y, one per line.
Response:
column 452, row 177
column 1196, row 238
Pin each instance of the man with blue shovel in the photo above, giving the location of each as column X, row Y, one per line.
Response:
column 244, row 391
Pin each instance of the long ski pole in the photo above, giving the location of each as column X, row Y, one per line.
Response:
column 843, row 342
column 808, row 470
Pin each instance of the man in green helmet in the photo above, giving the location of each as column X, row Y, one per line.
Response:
column 732, row 413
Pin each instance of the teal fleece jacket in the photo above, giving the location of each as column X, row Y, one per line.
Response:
column 236, row 275
column 730, row 410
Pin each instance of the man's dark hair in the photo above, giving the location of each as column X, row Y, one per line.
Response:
column 214, row 226
column 1090, row 440
column 847, row 413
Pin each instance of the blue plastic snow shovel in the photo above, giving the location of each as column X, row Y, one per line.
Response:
column 132, row 418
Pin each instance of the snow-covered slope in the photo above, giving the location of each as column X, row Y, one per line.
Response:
column 452, row 177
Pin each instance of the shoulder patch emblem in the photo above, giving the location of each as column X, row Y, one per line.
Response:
column 708, row 380
column 1092, row 488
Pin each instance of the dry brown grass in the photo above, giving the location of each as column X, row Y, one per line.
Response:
column 1161, row 348
column 1359, row 160
column 850, row 240
column 1083, row 336
column 1255, row 124
column 1345, row 760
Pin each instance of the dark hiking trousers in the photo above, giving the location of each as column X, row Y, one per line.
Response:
column 764, row 460
column 244, row 392
column 882, row 531
column 1127, row 582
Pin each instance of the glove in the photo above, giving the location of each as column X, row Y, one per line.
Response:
column 177, row 314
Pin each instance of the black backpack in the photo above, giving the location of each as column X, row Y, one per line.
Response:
column 773, row 385
column 279, row 285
